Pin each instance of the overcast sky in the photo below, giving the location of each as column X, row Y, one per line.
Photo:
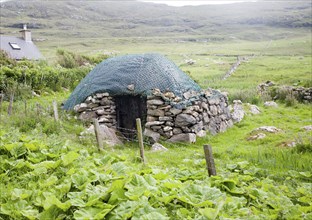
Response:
column 207, row 2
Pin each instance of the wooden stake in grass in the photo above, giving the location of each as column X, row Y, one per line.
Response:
column 25, row 107
column 98, row 135
column 11, row 104
column 209, row 160
column 56, row 117
column 1, row 99
column 140, row 139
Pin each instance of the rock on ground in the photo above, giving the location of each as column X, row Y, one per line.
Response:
column 256, row 137
column 270, row 129
column 270, row 104
column 307, row 128
column 186, row 137
column 158, row 147
column 238, row 111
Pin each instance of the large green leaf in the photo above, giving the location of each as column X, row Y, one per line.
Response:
column 199, row 196
column 92, row 212
column 69, row 158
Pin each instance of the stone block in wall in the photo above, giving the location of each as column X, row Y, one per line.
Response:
column 212, row 127
column 156, row 112
column 169, row 123
column 165, row 118
column 183, row 120
column 213, row 109
column 204, row 105
column 155, row 102
column 197, row 127
column 167, row 128
column 153, row 123
column 223, row 126
column 169, row 134
column 151, row 118
column 81, row 107
column 87, row 116
column 153, row 136
column 165, row 107
column 214, row 101
column 177, row 131
column 188, row 138
column 175, row 111
column 206, row 118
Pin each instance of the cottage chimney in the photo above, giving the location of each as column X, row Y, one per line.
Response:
column 26, row 34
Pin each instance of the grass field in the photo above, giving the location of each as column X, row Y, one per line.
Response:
column 54, row 174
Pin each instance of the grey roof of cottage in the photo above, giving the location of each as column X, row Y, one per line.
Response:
column 27, row 49
column 144, row 72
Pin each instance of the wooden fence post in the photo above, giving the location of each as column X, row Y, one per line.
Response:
column 209, row 160
column 140, row 139
column 25, row 107
column 98, row 133
column 1, row 99
column 56, row 116
column 11, row 104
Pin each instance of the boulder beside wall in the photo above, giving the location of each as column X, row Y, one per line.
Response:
column 185, row 137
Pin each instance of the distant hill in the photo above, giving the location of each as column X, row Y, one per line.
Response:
column 93, row 19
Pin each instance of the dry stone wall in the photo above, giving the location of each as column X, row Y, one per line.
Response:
column 170, row 116
column 100, row 106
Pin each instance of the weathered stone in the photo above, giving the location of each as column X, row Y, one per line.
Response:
column 158, row 147
column 168, row 134
column 167, row 128
column 238, row 111
column 184, row 120
column 130, row 87
column 153, row 123
column 270, row 129
column 151, row 118
column 256, row 137
column 165, row 107
column 169, row 95
column 270, row 104
column 197, row 127
column 165, row 118
column 93, row 105
column 156, row 128
column 175, row 111
column 153, row 136
column 201, row 133
column 206, row 118
column 169, row 123
column 254, row 109
column 100, row 112
column 88, row 99
column 106, row 102
column 189, row 94
column 213, row 101
column 177, row 99
column 109, row 136
column 223, row 126
column 156, row 112
column 80, row 107
column 177, row 131
column 87, row 116
column 204, row 105
column 212, row 127
column 155, row 102
column 307, row 128
column 103, row 119
column 186, row 130
column 213, row 110
column 188, row 137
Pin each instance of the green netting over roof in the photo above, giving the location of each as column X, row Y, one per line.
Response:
column 144, row 71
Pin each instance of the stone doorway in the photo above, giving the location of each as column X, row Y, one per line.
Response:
column 128, row 109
